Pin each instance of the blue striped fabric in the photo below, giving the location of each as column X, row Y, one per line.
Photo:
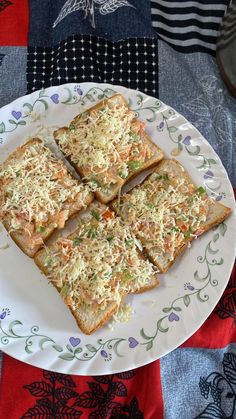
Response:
column 187, row 25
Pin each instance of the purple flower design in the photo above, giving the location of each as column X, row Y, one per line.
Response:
column 218, row 198
column 55, row 98
column 78, row 90
column 187, row 140
column 173, row 317
column 5, row 312
column 104, row 354
column 16, row 115
column 3, row 315
column 132, row 342
column 161, row 125
column 74, row 341
column 188, row 286
column 208, row 175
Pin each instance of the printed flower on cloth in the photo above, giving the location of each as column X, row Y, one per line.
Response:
column 90, row 7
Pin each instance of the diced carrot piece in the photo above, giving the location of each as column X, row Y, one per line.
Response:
column 107, row 214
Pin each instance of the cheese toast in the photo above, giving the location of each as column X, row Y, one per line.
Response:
column 37, row 195
column 96, row 266
column 167, row 211
column 108, row 146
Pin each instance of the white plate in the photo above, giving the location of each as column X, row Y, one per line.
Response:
column 36, row 327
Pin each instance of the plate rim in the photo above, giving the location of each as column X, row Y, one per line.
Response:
column 223, row 170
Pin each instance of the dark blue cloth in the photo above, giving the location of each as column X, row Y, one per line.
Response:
column 120, row 21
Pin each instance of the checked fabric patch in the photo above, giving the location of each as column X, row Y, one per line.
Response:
column 131, row 62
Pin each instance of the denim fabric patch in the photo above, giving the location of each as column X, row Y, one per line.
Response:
column 12, row 62
column 192, row 85
column 203, row 385
column 52, row 22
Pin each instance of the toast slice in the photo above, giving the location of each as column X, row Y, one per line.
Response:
column 96, row 266
column 108, row 146
column 37, row 195
column 167, row 211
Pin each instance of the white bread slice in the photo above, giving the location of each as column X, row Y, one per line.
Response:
column 112, row 192
column 217, row 213
column 20, row 237
column 89, row 321
column 90, row 317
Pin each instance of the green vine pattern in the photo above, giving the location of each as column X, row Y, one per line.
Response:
column 92, row 96
column 176, row 138
column 95, row 94
column 29, row 339
column 173, row 310
column 152, row 114
column 139, row 108
column 19, row 117
column 14, row 125
column 42, row 98
column 105, row 349
column 73, row 97
column 74, row 350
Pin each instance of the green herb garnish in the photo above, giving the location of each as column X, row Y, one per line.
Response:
column 201, row 190
column 134, row 165
column 95, row 215
column 126, row 276
column 175, row 229
column 40, row 229
column 64, row 290
column 92, row 233
column 48, row 262
column 77, row 241
column 123, row 175
column 129, row 242
column 95, row 182
column 162, row 177
column 71, row 127
column 188, row 233
column 133, row 136
column 110, row 238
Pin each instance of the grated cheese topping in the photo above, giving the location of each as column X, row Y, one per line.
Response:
column 106, row 144
column 164, row 212
column 37, row 189
column 98, row 264
column 123, row 315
